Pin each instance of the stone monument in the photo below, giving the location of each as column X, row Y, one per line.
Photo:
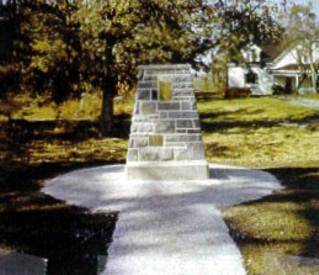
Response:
column 165, row 140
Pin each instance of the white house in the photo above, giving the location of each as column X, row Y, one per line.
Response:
column 251, row 74
column 290, row 70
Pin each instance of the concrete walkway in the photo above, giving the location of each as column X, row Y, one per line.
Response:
column 305, row 102
column 166, row 227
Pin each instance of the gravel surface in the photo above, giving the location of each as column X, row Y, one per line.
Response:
column 166, row 227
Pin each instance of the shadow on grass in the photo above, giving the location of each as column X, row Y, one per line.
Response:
column 71, row 239
column 73, row 130
column 298, row 207
column 34, row 223
column 218, row 150
column 24, row 177
column 303, row 183
column 238, row 112
column 252, row 125
column 17, row 137
column 203, row 96
column 30, row 222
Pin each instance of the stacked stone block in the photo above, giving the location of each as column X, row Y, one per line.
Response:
column 165, row 130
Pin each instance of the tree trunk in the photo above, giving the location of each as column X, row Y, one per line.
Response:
column 106, row 118
column 313, row 70
column 314, row 79
column 109, row 88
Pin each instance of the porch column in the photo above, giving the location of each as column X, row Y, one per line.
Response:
column 297, row 81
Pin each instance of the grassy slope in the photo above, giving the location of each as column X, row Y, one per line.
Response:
column 286, row 222
column 259, row 132
column 36, row 147
column 269, row 133
column 67, row 133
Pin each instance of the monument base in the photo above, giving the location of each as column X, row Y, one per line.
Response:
column 167, row 171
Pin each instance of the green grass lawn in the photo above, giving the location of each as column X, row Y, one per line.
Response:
column 285, row 222
column 259, row 132
column 254, row 132
column 268, row 133
column 37, row 146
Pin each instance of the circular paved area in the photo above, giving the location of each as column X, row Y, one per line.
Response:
column 166, row 227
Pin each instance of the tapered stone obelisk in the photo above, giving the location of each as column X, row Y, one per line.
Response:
column 165, row 141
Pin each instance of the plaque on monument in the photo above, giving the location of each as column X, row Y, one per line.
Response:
column 165, row 141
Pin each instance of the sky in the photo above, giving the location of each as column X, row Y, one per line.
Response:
column 315, row 3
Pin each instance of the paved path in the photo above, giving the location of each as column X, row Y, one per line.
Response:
column 166, row 227
column 305, row 102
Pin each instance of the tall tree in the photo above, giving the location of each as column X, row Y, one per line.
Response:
column 172, row 31
column 303, row 33
column 238, row 22
column 71, row 42
column 128, row 32
column 67, row 46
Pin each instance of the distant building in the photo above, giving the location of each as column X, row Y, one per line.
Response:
column 263, row 69
column 251, row 73
column 291, row 69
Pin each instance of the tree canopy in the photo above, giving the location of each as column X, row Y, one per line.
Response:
column 68, row 47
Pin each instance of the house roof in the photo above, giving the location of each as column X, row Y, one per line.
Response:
column 292, row 67
column 268, row 52
column 283, row 53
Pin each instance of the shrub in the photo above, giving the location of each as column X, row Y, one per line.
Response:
column 278, row 90
column 237, row 93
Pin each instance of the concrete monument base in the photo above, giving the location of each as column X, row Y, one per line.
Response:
column 167, row 171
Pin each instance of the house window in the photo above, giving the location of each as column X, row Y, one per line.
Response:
column 251, row 78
